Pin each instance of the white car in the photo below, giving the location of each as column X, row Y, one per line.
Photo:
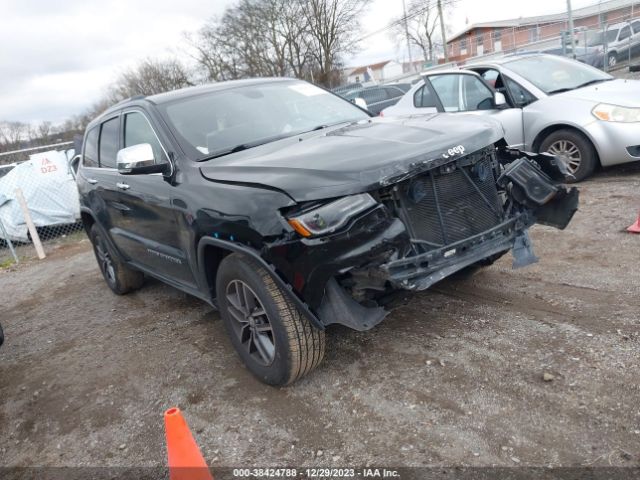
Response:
column 545, row 103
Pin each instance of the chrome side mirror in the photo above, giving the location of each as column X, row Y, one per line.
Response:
column 361, row 103
column 139, row 159
column 499, row 100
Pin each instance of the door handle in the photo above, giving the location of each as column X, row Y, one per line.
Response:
column 122, row 186
column 92, row 181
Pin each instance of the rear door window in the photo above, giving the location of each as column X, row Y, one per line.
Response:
column 90, row 157
column 625, row 33
column 109, row 142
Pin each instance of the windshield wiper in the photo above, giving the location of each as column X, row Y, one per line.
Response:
column 241, row 147
column 585, row 84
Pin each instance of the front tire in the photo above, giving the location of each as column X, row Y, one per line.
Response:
column 275, row 341
column 120, row 278
column 574, row 149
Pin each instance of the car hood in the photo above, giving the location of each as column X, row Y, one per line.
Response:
column 618, row 92
column 356, row 158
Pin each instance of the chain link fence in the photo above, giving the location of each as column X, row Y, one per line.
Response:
column 39, row 205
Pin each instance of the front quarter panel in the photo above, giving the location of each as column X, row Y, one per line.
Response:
column 556, row 110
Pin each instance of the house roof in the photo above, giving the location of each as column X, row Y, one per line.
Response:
column 578, row 13
column 373, row 66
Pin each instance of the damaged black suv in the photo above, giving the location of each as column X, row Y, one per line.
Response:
column 290, row 209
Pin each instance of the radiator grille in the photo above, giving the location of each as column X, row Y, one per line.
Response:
column 442, row 208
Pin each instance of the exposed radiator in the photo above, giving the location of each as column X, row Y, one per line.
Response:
column 451, row 203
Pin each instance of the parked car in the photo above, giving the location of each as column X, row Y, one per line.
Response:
column 593, row 56
column 617, row 41
column 552, row 104
column 291, row 209
column 377, row 98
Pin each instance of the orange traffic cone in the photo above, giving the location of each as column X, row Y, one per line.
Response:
column 185, row 459
column 635, row 228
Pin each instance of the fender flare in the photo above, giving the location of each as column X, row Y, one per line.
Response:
column 255, row 255
column 105, row 233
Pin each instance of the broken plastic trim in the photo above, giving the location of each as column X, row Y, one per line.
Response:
column 419, row 272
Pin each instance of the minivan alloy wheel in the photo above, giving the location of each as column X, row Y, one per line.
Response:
column 251, row 322
column 568, row 152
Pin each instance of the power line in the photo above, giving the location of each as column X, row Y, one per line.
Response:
column 404, row 18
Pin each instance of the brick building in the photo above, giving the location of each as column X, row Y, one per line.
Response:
column 509, row 35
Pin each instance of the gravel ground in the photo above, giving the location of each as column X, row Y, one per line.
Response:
column 454, row 377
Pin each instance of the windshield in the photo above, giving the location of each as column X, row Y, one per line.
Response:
column 243, row 117
column 552, row 74
column 597, row 37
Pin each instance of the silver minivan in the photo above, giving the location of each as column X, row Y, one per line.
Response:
column 619, row 38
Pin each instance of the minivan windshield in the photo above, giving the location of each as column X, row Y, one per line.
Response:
column 553, row 74
column 217, row 123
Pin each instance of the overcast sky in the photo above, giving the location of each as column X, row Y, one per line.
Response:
column 57, row 57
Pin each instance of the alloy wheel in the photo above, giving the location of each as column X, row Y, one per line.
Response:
column 612, row 61
column 568, row 152
column 105, row 262
column 250, row 322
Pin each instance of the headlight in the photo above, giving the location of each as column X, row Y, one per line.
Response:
column 330, row 217
column 615, row 113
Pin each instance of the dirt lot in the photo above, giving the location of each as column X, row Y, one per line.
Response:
column 453, row 377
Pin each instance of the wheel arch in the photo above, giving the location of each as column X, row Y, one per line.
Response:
column 548, row 130
column 87, row 219
column 212, row 250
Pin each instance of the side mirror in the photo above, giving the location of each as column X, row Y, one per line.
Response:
column 138, row 160
column 361, row 103
column 499, row 100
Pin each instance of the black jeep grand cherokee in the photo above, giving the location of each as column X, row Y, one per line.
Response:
column 290, row 209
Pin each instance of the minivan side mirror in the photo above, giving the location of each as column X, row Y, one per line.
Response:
column 138, row 160
column 499, row 100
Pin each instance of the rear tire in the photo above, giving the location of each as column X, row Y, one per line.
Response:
column 120, row 278
column 275, row 341
column 574, row 149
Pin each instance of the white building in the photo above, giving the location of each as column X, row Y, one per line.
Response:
column 381, row 71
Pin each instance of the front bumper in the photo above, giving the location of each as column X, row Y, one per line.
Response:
column 615, row 141
column 420, row 271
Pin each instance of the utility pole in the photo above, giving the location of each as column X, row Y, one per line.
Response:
column 571, row 32
column 442, row 32
column 406, row 32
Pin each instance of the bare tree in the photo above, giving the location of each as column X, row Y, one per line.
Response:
column 334, row 26
column 301, row 38
column 13, row 133
column 422, row 27
column 255, row 38
column 150, row 77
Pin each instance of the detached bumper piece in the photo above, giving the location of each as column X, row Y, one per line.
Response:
column 530, row 186
column 419, row 272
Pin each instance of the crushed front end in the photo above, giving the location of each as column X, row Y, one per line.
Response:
column 422, row 224
column 473, row 209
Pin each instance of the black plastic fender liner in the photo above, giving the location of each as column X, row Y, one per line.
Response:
column 255, row 255
column 338, row 307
